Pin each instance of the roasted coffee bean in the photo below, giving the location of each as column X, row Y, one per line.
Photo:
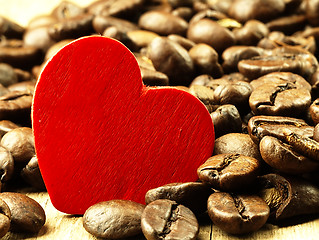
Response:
column 210, row 32
column 163, row 23
column 312, row 8
column 142, row 38
column 205, row 59
column 183, row 12
column 179, row 69
column 100, row 23
column 260, row 126
column 206, row 95
column 154, row 78
column 27, row 215
column 24, row 86
column 20, row 143
column 303, row 145
column 114, row 219
column 113, row 32
column 233, row 55
column 256, row 9
column 251, row 33
column 207, row 14
column 6, row 164
column 192, row 195
column 5, row 218
column 66, row 10
column 32, row 175
column 288, row 196
column 16, row 106
column 285, row 157
column 237, row 214
column 314, row 111
column 287, row 24
column 10, row 29
column 279, row 100
column 316, row 133
column 6, row 126
column 236, row 143
column 7, row 75
column 22, row 75
column 166, row 219
column 184, row 42
column 38, row 37
column 116, row 8
column 229, row 172
column 277, row 78
column 201, row 80
column 74, row 27
column 226, row 119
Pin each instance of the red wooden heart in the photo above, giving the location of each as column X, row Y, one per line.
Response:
column 100, row 134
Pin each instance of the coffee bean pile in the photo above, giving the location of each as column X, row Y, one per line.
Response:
column 253, row 64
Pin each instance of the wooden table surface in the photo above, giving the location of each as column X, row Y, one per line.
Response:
column 62, row 226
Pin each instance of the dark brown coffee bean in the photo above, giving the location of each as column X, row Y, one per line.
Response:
column 256, row 9
column 21, row 57
column 10, row 29
column 166, row 219
column 27, row 215
column 303, row 145
column 201, row 80
column 142, row 38
column 16, row 106
column 312, row 9
column 114, row 219
column 5, row 218
column 226, row 119
column 113, row 32
column 154, row 78
column 206, row 95
column 179, row 69
column 260, row 126
column 251, row 33
column 284, row 157
column 6, row 126
column 183, row 12
column 233, row 55
column 32, row 175
column 229, row 172
column 7, row 75
column 193, row 195
column 210, row 32
column 314, row 111
column 20, row 143
column 180, row 3
column 6, row 165
column 116, row 8
column 237, row 214
column 316, row 133
column 100, row 23
column 287, row 24
column 205, row 59
column 234, row 143
column 281, row 78
column 66, row 10
column 288, row 196
column 163, row 23
column 74, row 27
column 279, row 100
column 184, row 42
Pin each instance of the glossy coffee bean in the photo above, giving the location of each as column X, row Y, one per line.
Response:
column 184, row 42
column 27, row 215
column 163, row 23
column 166, row 219
column 192, row 195
column 287, row 24
column 284, row 157
column 114, row 219
column 314, row 111
column 179, row 69
column 229, row 172
column 100, row 23
column 142, row 38
column 6, row 126
column 251, row 33
column 237, row 214
column 260, row 126
column 32, row 175
column 5, row 218
column 210, row 32
column 236, row 143
column 6, row 164
column 20, row 143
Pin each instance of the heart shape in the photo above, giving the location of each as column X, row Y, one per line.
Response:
column 100, row 134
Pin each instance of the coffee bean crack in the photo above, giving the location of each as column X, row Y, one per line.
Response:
column 173, row 217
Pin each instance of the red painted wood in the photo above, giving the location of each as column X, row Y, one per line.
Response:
column 100, row 134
